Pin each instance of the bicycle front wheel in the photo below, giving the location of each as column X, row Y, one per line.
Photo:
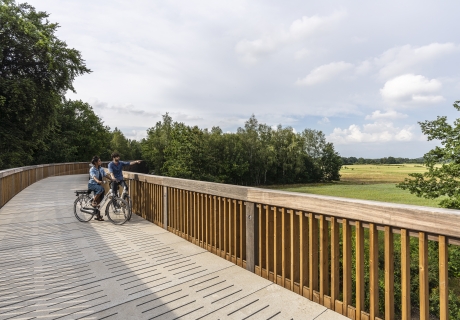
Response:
column 117, row 211
column 130, row 205
column 82, row 208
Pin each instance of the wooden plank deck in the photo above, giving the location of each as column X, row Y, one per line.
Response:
column 54, row 267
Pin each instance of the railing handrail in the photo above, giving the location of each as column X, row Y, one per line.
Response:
column 7, row 172
column 427, row 219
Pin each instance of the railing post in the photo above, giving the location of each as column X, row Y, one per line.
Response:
column 251, row 236
column 165, row 208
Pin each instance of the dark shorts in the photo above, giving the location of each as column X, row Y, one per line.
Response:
column 96, row 188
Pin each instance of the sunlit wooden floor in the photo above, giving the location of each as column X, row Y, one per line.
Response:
column 54, row 267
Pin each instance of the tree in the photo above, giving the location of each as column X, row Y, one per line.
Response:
column 256, row 154
column 439, row 181
column 78, row 135
column 36, row 70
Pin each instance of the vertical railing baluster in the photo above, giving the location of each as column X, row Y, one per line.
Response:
column 374, row 270
column 241, row 233
column 323, row 257
column 225, row 227
column 235, row 231
column 269, row 240
column 262, row 243
column 443, row 279
column 214, row 210
column 346, row 234
column 313, row 251
column 423, row 276
column 335, row 260
column 389, row 274
column 359, row 269
column 295, row 251
column 405, row 275
column 165, row 207
column 284, row 262
column 304, row 254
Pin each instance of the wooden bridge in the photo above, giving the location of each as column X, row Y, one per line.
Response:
column 201, row 250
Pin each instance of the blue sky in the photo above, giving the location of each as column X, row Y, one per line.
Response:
column 363, row 72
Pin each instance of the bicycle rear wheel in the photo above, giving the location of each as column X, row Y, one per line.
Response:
column 82, row 208
column 117, row 211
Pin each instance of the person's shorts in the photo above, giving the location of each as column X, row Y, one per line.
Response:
column 96, row 188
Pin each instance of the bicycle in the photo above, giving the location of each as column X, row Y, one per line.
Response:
column 125, row 196
column 118, row 211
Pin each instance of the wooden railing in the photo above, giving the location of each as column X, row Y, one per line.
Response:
column 324, row 248
column 13, row 181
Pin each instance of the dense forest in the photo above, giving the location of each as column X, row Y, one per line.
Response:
column 256, row 154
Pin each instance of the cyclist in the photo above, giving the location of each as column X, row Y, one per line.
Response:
column 116, row 171
column 97, row 173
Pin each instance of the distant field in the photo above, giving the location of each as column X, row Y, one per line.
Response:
column 394, row 173
column 368, row 182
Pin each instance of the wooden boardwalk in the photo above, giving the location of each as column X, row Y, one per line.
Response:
column 54, row 267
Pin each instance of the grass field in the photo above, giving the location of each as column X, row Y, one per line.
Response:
column 369, row 182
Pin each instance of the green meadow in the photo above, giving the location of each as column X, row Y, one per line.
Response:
column 368, row 182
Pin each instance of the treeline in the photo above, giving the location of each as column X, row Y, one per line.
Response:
column 256, row 154
column 79, row 134
column 76, row 135
column 385, row 160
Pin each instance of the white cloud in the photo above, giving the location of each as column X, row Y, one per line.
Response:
column 324, row 73
column 378, row 132
column 307, row 26
column 252, row 50
column 410, row 88
column 391, row 114
column 404, row 59
column 324, row 120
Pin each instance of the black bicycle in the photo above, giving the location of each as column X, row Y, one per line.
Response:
column 118, row 211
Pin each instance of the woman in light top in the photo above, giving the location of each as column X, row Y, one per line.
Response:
column 96, row 174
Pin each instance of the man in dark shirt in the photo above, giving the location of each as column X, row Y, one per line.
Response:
column 116, row 171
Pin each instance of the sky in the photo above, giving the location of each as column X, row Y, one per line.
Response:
column 363, row 72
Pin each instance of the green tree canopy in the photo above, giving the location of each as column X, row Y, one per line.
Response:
column 256, row 154
column 78, row 135
column 442, row 178
column 36, row 70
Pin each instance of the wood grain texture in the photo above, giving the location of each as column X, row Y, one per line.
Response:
column 443, row 279
column 359, row 268
column 335, row 260
column 423, row 276
column 389, row 274
column 323, row 258
column 374, row 270
column 346, row 234
column 313, row 251
column 405, row 275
